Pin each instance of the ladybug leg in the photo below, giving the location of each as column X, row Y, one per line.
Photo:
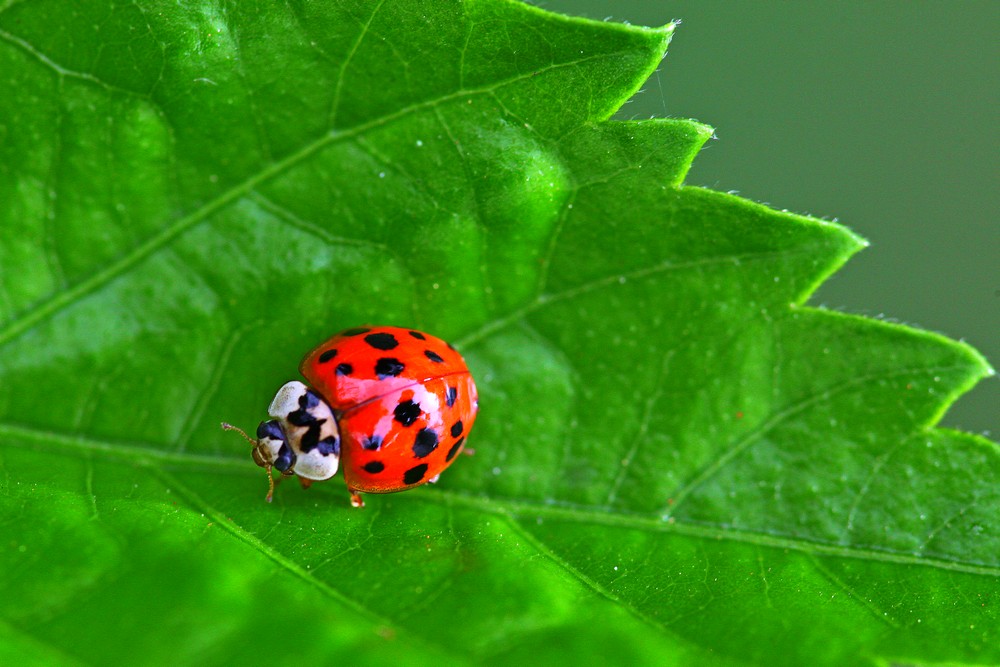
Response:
column 270, row 484
column 306, row 483
column 356, row 500
column 468, row 451
column 273, row 483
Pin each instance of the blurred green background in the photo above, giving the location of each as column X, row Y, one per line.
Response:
column 882, row 116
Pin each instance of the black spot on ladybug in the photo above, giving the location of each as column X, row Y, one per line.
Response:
column 304, row 416
column 374, row 442
column 433, row 356
column 329, row 445
column 354, row 332
column 308, row 400
column 415, row 474
column 382, row 341
column 417, row 335
column 451, row 396
column 374, row 467
column 425, row 442
column 406, row 412
column 327, row 356
column 285, row 459
column 271, row 429
column 456, row 429
column 344, row 369
column 310, row 439
column 454, row 449
column 388, row 367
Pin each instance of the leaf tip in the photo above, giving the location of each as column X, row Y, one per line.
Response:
column 704, row 130
column 669, row 28
column 977, row 362
column 970, row 364
column 977, row 368
column 852, row 240
column 846, row 241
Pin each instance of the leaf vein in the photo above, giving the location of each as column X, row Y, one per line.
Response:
column 831, row 576
column 543, row 300
column 539, row 545
column 783, row 415
column 193, row 419
column 109, row 272
column 308, row 226
column 41, row 57
column 147, row 455
column 365, row 27
column 236, row 531
column 714, row 532
column 639, row 439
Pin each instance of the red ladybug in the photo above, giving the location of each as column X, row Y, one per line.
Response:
column 395, row 404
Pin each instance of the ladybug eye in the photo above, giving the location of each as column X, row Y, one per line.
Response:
column 272, row 430
column 285, row 458
column 272, row 447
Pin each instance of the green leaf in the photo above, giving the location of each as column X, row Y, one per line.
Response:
column 677, row 462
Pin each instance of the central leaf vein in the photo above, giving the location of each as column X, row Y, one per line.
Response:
column 153, row 459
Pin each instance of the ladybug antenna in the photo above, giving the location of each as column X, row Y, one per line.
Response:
column 226, row 426
column 229, row 427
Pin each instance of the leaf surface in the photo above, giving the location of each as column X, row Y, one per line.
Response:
column 677, row 461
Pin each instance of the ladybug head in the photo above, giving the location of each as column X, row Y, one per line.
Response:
column 301, row 438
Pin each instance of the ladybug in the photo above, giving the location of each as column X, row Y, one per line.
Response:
column 396, row 405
